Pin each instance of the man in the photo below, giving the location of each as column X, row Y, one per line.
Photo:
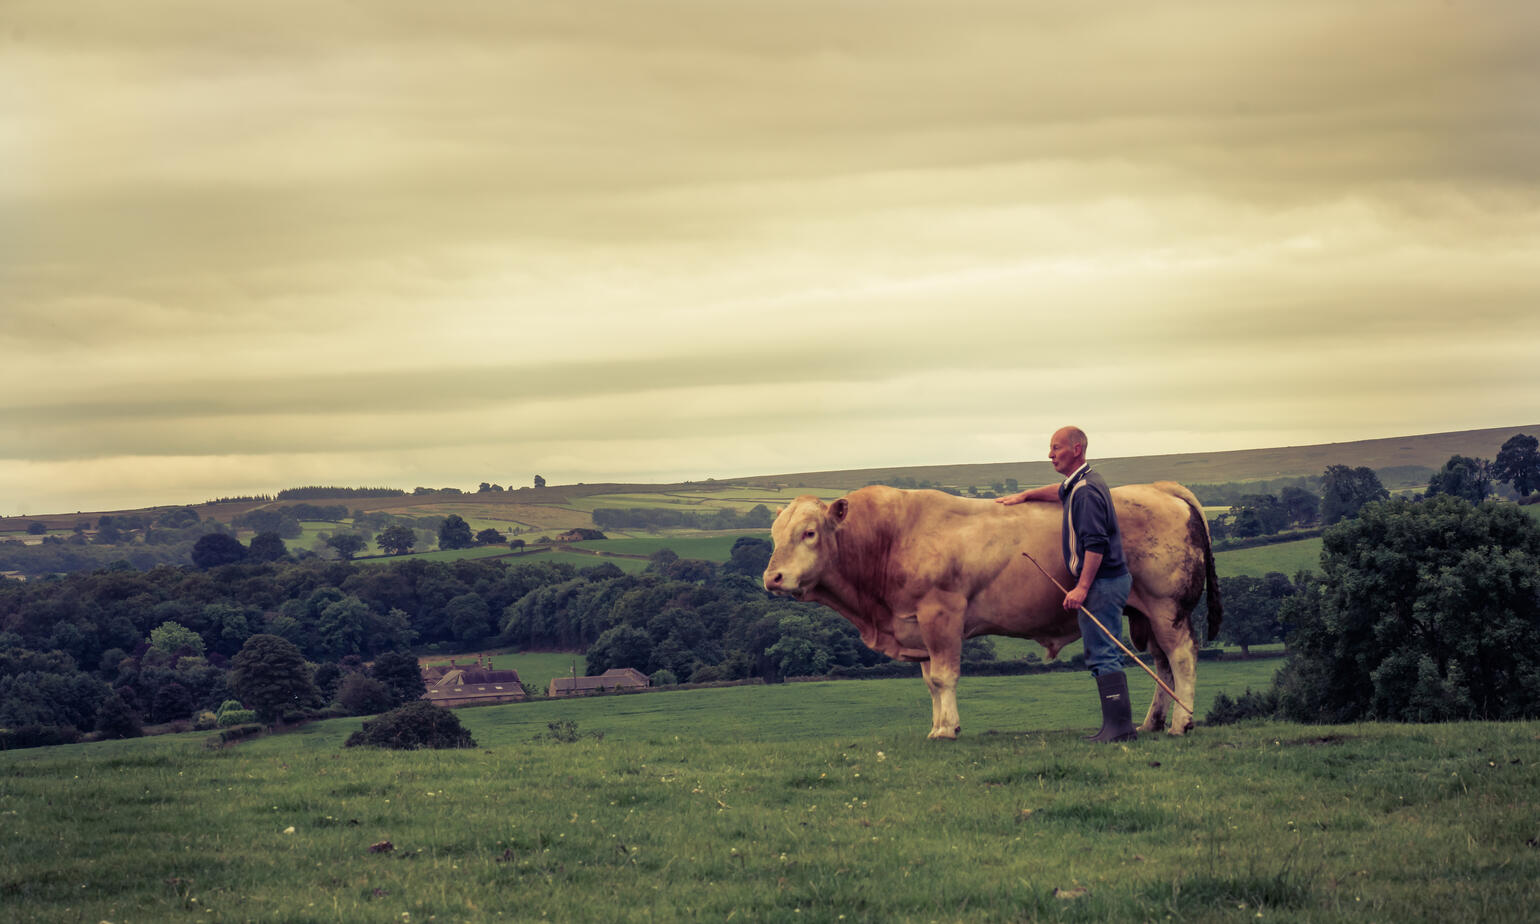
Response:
column 1093, row 552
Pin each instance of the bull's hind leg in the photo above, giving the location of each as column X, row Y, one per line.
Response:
column 1176, row 661
column 1155, row 719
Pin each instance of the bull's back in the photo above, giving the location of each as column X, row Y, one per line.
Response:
column 974, row 548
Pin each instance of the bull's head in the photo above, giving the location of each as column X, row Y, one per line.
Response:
column 805, row 543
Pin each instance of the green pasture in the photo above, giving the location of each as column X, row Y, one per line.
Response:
column 711, row 546
column 1284, row 557
column 798, row 802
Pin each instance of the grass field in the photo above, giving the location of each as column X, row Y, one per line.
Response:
column 1284, row 557
column 799, row 802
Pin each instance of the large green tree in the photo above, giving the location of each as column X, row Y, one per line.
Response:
column 1518, row 463
column 399, row 672
column 1463, row 477
column 267, row 546
column 269, row 675
column 1344, row 490
column 217, row 549
column 1251, row 609
column 1424, row 611
column 455, row 533
column 347, row 544
column 396, row 540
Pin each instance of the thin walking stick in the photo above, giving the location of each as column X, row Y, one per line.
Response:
column 1115, row 640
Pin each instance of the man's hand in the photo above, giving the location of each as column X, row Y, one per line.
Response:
column 1075, row 599
column 1048, row 492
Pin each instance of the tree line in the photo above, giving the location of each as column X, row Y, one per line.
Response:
column 82, row 651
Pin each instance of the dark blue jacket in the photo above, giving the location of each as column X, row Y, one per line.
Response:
column 1091, row 524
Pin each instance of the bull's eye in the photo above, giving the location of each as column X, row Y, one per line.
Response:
column 810, row 534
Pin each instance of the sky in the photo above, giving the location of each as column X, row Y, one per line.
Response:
column 246, row 247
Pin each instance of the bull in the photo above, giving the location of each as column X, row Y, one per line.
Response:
column 917, row 572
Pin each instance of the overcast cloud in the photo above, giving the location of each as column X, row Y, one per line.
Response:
column 246, row 247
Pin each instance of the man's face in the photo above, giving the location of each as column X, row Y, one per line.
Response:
column 1065, row 454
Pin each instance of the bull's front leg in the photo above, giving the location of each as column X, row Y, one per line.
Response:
column 940, row 619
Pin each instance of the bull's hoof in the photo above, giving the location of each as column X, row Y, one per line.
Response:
column 1152, row 726
column 948, row 734
column 1181, row 729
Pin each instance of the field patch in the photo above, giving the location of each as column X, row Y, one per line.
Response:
column 1284, row 557
column 791, row 802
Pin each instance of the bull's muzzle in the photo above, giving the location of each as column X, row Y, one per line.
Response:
column 775, row 582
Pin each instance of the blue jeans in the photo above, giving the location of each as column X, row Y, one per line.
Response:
column 1106, row 600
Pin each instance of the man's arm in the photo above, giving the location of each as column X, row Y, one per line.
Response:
column 1090, row 563
column 1048, row 492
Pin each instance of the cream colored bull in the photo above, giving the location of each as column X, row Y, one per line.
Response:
column 919, row 571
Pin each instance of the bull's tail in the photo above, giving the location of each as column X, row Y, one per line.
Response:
column 1197, row 530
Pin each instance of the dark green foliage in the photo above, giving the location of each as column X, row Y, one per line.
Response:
column 750, row 556
column 269, row 674
column 490, row 536
column 1344, row 490
column 1260, row 705
column 217, row 549
column 1251, row 609
column 267, row 547
column 363, row 695
column 622, row 646
column 1424, row 612
column 1463, row 477
column 399, row 672
column 413, row 726
column 172, row 703
column 396, row 540
column 455, row 533
column 468, row 617
column 347, row 544
column 36, row 528
column 1518, row 463
column 116, row 720
column 313, row 492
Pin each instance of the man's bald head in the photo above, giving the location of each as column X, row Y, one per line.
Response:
column 1073, row 435
column 1066, row 450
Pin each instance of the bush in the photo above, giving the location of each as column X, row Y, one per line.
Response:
column 229, row 718
column 1227, row 711
column 416, row 725
column 663, row 678
column 37, row 736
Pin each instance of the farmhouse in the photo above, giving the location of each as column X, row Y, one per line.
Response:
column 471, row 684
column 613, row 680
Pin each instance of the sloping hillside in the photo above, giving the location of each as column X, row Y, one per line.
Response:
column 1427, row 450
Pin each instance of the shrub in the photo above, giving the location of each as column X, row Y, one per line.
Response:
column 416, row 725
column 229, row 718
column 663, row 678
column 1249, row 705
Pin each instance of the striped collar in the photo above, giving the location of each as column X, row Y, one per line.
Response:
column 1084, row 467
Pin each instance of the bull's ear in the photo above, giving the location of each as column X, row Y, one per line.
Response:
column 838, row 510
